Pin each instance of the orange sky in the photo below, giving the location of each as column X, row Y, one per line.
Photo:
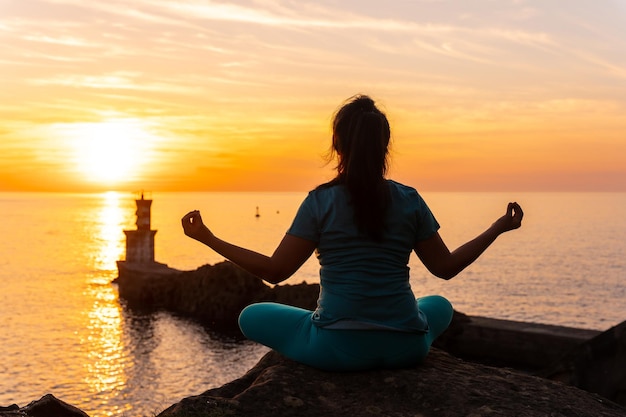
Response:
column 168, row 95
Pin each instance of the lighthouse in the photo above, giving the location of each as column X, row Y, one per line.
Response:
column 139, row 264
column 140, row 242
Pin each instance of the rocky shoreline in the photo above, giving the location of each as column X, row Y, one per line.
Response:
column 479, row 367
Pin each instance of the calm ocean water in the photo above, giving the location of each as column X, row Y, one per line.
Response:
column 64, row 330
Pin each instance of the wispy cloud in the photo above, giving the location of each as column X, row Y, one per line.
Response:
column 114, row 81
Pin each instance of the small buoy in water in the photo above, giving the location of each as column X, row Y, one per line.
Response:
column 257, row 212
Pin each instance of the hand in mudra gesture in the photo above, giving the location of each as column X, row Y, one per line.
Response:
column 194, row 227
column 511, row 220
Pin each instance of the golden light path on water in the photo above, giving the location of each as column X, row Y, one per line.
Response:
column 112, row 218
column 84, row 344
column 99, row 354
column 103, row 344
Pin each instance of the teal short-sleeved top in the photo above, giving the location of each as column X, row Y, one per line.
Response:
column 365, row 284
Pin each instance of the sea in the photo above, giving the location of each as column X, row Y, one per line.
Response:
column 65, row 331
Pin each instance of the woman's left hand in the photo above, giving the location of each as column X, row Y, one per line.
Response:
column 194, row 227
column 511, row 220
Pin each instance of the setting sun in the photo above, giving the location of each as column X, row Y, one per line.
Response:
column 112, row 151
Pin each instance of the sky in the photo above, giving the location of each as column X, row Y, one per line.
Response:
column 191, row 95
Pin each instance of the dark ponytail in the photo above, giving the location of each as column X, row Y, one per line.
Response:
column 361, row 139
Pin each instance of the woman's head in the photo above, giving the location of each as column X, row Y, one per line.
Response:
column 361, row 142
column 361, row 138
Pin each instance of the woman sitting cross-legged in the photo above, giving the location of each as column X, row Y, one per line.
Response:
column 363, row 228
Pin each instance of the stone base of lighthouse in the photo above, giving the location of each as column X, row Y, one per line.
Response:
column 140, row 246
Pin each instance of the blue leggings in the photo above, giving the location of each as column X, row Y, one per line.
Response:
column 290, row 331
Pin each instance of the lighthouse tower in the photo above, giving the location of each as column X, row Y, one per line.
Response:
column 140, row 242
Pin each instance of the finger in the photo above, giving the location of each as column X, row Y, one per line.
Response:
column 509, row 209
column 519, row 214
column 196, row 218
column 190, row 217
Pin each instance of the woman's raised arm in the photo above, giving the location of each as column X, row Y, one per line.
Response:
column 288, row 257
column 442, row 263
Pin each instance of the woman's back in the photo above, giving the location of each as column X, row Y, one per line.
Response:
column 364, row 279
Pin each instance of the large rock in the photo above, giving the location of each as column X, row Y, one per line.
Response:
column 521, row 345
column 597, row 365
column 46, row 406
column 212, row 294
column 442, row 386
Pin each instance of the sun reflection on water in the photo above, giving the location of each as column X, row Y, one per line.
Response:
column 111, row 220
column 103, row 341
column 133, row 362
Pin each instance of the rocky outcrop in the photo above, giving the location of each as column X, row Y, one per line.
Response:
column 524, row 346
column 442, row 386
column 47, row 406
column 597, row 365
column 212, row 294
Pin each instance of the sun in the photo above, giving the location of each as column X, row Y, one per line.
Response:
column 111, row 152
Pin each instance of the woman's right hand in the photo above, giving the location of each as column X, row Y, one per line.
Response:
column 194, row 227
column 511, row 220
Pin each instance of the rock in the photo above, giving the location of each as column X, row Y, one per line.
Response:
column 46, row 406
column 521, row 345
column 597, row 365
column 214, row 295
column 301, row 295
column 11, row 410
column 210, row 294
column 442, row 386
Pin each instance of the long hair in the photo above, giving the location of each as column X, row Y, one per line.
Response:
column 361, row 140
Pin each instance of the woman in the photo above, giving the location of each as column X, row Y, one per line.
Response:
column 363, row 228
